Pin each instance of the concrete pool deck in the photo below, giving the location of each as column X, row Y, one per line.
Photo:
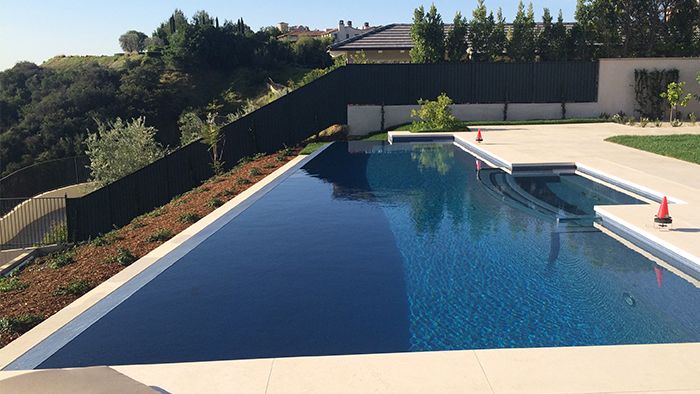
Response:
column 621, row 369
column 668, row 368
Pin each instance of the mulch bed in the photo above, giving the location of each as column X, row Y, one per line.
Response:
column 48, row 289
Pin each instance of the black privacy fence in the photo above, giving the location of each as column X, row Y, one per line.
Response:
column 304, row 112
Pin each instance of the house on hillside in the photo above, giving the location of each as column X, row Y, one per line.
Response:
column 343, row 32
column 390, row 43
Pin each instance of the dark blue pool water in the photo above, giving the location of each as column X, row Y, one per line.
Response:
column 376, row 248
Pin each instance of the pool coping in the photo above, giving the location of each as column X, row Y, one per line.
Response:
column 35, row 346
column 689, row 263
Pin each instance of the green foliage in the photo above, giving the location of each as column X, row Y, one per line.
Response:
column 156, row 212
column 11, row 284
column 119, row 148
column 693, row 118
column 643, row 121
column 123, row 257
column 215, row 203
column 75, row 288
column 61, row 259
column 160, row 235
column 680, row 146
column 254, row 172
column 523, row 40
column 481, row 33
column 312, row 147
column 19, row 324
column 133, row 41
column 106, row 239
column 189, row 217
column 57, row 234
column 456, row 40
column 648, row 86
column 676, row 97
column 428, row 34
column 435, row 114
column 243, row 181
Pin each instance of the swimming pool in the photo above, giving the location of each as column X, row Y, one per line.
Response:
column 375, row 248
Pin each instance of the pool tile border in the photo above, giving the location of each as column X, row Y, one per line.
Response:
column 35, row 346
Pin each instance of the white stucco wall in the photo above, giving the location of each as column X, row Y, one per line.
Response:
column 615, row 93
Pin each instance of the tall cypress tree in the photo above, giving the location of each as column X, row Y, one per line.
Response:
column 545, row 40
column 480, row 31
column 498, row 41
column 521, row 47
column 558, row 45
column 456, row 41
column 428, row 34
column 682, row 26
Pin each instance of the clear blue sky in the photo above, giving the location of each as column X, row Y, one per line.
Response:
column 37, row 30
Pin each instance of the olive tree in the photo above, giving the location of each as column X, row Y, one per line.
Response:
column 119, row 148
column 133, row 41
column 676, row 97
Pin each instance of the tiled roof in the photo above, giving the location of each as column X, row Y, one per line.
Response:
column 393, row 36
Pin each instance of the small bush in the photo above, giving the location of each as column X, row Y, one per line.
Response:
column 160, row 235
column 254, row 172
column 643, row 122
column 11, row 284
column 244, row 181
column 287, row 151
column 226, row 193
column 270, row 165
column 123, row 257
column 60, row 259
column 215, row 203
column 19, row 324
column 189, row 217
column 618, row 118
column 630, row 120
column 657, row 122
column 76, row 288
column 281, row 157
column 137, row 223
column 676, row 123
column 692, row 118
column 156, row 212
column 106, row 239
column 434, row 115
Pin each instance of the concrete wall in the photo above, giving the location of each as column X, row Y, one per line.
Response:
column 615, row 93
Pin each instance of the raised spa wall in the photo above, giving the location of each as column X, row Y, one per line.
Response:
column 615, row 94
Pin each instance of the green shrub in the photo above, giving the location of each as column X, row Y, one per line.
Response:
column 57, row 234
column 434, row 115
column 19, row 324
column 657, row 122
column 215, row 203
column 244, row 181
column 254, row 172
column 76, row 288
column 692, row 118
column 119, row 148
column 160, row 235
column 270, row 165
column 61, row 259
column 643, row 121
column 189, row 217
column 226, row 193
column 155, row 213
column 618, row 118
column 106, row 239
column 137, row 223
column 123, row 257
column 11, row 284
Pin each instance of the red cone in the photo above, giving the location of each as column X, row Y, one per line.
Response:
column 659, row 276
column 663, row 209
column 478, row 136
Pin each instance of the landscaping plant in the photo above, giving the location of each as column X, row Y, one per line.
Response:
column 676, row 97
column 434, row 115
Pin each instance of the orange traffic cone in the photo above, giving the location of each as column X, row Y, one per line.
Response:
column 478, row 136
column 662, row 218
